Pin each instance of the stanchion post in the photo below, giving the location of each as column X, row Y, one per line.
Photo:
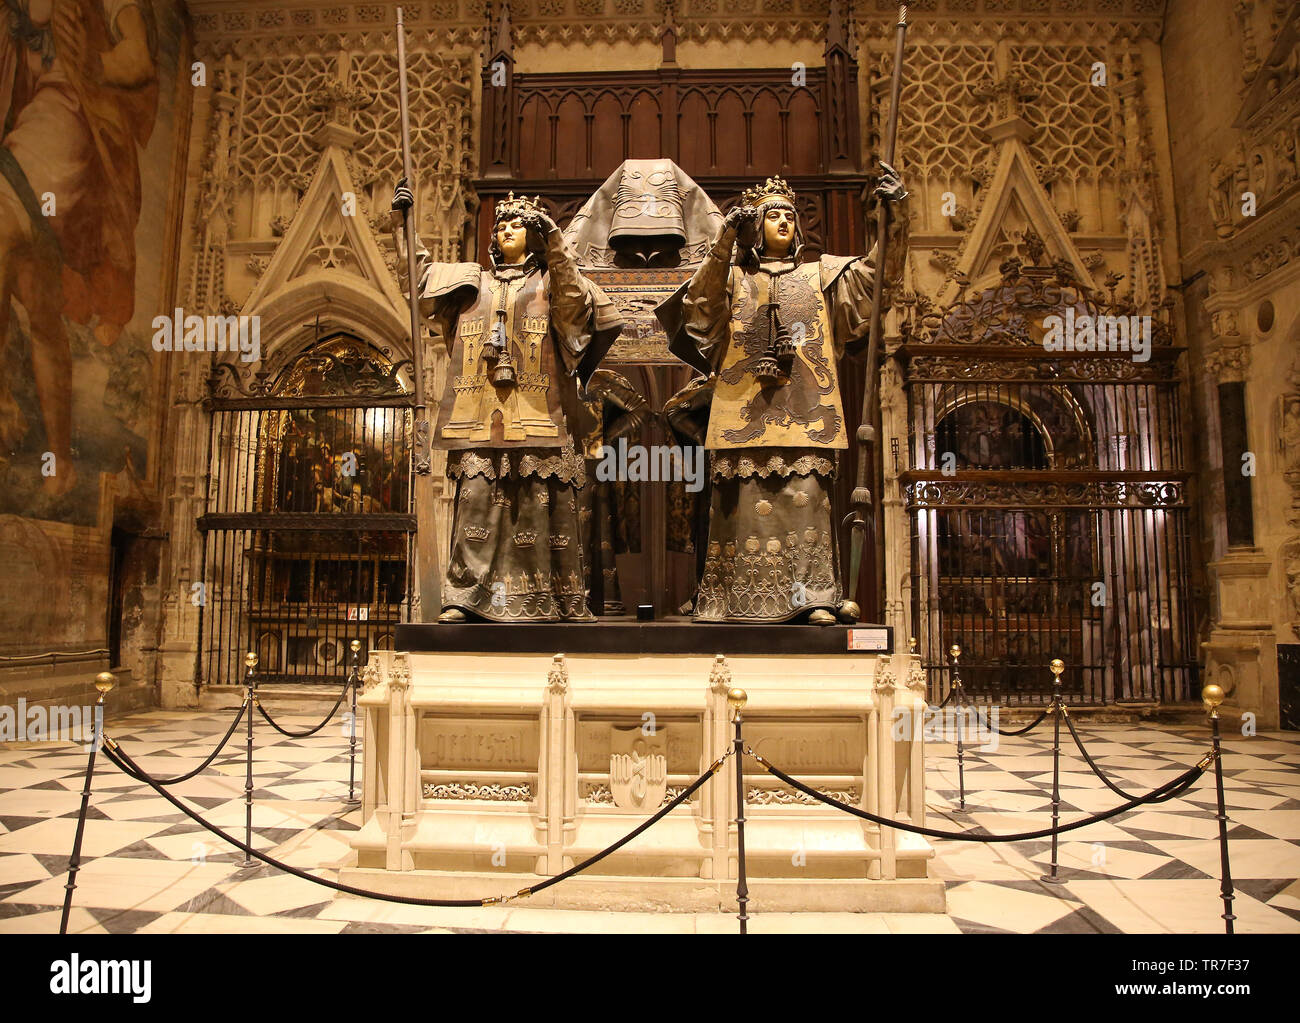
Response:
column 352, row 737
column 104, row 683
column 1212, row 696
column 736, row 700
column 955, row 651
column 1058, row 666
column 250, row 698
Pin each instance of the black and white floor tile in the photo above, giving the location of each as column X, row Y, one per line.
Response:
column 147, row 868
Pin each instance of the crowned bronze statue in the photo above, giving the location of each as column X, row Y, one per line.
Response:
column 768, row 330
column 522, row 334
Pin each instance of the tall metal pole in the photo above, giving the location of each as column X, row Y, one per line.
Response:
column 1058, row 710
column 352, row 731
column 250, row 702
column 1212, row 697
column 736, row 699
column 955, row 651
column 408, row 224
column 104, row 683
column 866, row 435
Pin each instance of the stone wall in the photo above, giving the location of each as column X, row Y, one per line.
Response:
column 1232, row 73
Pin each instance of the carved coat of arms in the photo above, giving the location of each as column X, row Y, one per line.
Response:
column 638, row 767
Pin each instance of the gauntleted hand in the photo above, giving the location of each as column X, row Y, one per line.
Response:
column 744, row 221
column 539, row 222
column 890, row 187
column 403, row 197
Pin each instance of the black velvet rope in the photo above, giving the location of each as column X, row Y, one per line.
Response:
column 142, row 776
column 311, row 731
column 1097, row 770
column 1019, row 731
column 1170, row 789
column 128, row 767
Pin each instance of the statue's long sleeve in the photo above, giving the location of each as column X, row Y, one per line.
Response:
column 706, row 304
column 584, row 321
column 444, row 287
column 847, row 284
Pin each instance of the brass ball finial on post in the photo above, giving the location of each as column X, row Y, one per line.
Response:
column 1212, row 696
column 736, row 700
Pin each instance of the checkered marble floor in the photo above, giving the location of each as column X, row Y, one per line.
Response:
column 146, row 868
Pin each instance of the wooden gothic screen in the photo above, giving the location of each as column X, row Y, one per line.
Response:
column 561, row 135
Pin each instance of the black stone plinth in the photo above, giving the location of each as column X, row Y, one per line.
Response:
column 628, row 636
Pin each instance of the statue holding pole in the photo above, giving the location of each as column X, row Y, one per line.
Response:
column 522, row 333
column 768, row 330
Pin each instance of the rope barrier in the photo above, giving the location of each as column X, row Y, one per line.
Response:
column 690, row 790
column 311, row 731
column 1019, row 731
column 1169, row 790
column 124, row 763
column 1097, row 770
column 203, row 766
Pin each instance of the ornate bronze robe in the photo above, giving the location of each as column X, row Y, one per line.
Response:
column 516, row 545
column 772, row 551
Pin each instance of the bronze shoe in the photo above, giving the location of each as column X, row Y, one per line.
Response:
column 453, row 616
column 821, row 617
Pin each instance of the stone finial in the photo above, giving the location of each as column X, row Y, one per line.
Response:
column 720, row 675
column 885, row 680
column 557, row 681
column 399, row 676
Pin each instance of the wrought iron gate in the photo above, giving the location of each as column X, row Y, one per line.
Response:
column 308, row 532
column 1047, row 498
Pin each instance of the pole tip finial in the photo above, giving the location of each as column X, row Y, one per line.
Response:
column 104, row 682
column 250, row 660
column 955, row 651
column 1212, row 696
column 737, row 698
column 1058, row 666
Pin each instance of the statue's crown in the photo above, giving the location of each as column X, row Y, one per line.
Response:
column 510, row 207
column 770, row 191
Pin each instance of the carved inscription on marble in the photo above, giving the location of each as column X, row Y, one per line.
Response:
column 827, row 747
column 452, row 743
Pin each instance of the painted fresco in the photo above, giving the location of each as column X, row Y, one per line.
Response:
column 86, row 102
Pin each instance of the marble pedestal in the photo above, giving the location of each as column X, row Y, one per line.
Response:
column 487, row 772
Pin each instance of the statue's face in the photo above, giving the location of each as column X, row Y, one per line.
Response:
column 778, row 231
column 512, row 237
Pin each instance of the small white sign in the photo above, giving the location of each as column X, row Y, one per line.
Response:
column 869, row 639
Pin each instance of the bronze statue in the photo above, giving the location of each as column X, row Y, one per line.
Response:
column 518, row 332
column 769, row 330
column 609, row 510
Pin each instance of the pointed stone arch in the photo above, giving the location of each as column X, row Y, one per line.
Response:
column 329, row 264
column 1016, row 200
